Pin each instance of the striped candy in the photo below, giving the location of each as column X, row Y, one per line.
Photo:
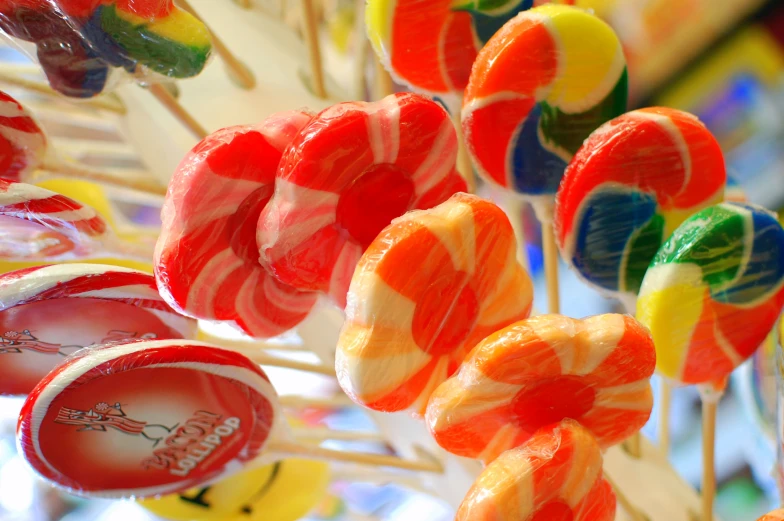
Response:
column 206, row 258
column 556, row 475
column 98, row 303
column 539, row 371
column 40, row 224
column 776, row 515
column 537, row 91
column 714, row 291
column 22, row 142
column 350, row 171
column 634, row 181
column 432, row 285
column 167, row 387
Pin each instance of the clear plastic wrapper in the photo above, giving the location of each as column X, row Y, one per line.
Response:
column 349, row 172
column 713, row 292
column 79, row 42
column 776, row 515
column 556, row 474
column 540, row 371
column 536, row 91
column 146, row 418
column 283, row 491
column 50, row 312
column 430, row 287
column 632, row 183
column 206, row 258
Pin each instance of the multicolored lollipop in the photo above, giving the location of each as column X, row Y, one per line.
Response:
column 22, row 142
column 632, row 183
column 350, row 171
column 536, row 92
column 49, row 312
column 540, row 371
column 555, row 475
column 776, row 515
column 714, row 291
column 407, row 330
column 206, row 258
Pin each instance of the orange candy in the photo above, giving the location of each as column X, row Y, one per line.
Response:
column 540, row 371
column 555, row 476
column 776, row 515
column 430, row 287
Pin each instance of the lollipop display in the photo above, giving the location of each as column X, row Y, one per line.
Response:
column 406, row 332
column 349, row 172
column 540, row 371
column 206, row 259
column 50, row 312
column 635, row 180
column 556, row 474
column 536, row 92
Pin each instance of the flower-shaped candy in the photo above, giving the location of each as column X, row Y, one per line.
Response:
column 433, row 284
column 352, row 170
column 539, row 371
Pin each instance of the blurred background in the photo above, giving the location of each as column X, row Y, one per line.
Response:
column 722, row 60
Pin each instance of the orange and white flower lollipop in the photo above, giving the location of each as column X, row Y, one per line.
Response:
column 555, row 475
column 540, row 371
column 432, row 284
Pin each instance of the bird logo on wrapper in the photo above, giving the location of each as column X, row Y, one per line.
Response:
column 103, row 417
column 16, row 342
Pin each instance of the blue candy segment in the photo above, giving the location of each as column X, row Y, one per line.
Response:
column 537, row 171
column 597, row 256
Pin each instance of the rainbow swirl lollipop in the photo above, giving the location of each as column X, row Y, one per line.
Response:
column 432, row 44
column 714, row 291
column 631, row 184
column 536, row 91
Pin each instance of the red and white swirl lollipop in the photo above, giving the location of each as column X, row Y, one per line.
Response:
column 350, row 171
column 49, row 312
column 206, row 259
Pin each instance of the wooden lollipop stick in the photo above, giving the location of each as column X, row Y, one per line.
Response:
column 311, row 434
column 105, row 102
column 249, row 347
column 664, row 415
column 78, row 171
column 550, row 252
column 314, row 48
column 626, row 504
column 709, row 408
column 294, row 449
column 634, row 445
column 384, row 84
column 177, row 110
column 361, row 44
column 238, row 72
column 273, row 361
column 302, row 402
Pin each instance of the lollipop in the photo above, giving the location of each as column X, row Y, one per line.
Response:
column 539, row 371
column 272, row 492
column 631, row 184
column 350, row 171
column 49, row 312
column 776, row 515
column 184, row 413
column 206, row 259
column 555, row 475
column 22, row 142
column 406, row 329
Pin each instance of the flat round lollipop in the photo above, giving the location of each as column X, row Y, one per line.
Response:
column 37, row 224
column 540, row 371
column 146, row 418
column 536, row 92
column 776, row 515
column 556, row 475
column 206, row 258
column 49, row 312
column 348, row 173
column 714, row 292
column 269, row 493
column 433, row 284
column 432, row 44
column 632, row 183
column 22, row 142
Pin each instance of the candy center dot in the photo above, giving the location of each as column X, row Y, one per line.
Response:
column 554, row 511
column 369, row 204
column 445, row 315
column 552, row 400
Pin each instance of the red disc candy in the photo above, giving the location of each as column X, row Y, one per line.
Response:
column 554, row 476
column 50, row 312
column 540, row 371
column 146, row 418
column 206, row 259
column 350, row 171
column 22, row 142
